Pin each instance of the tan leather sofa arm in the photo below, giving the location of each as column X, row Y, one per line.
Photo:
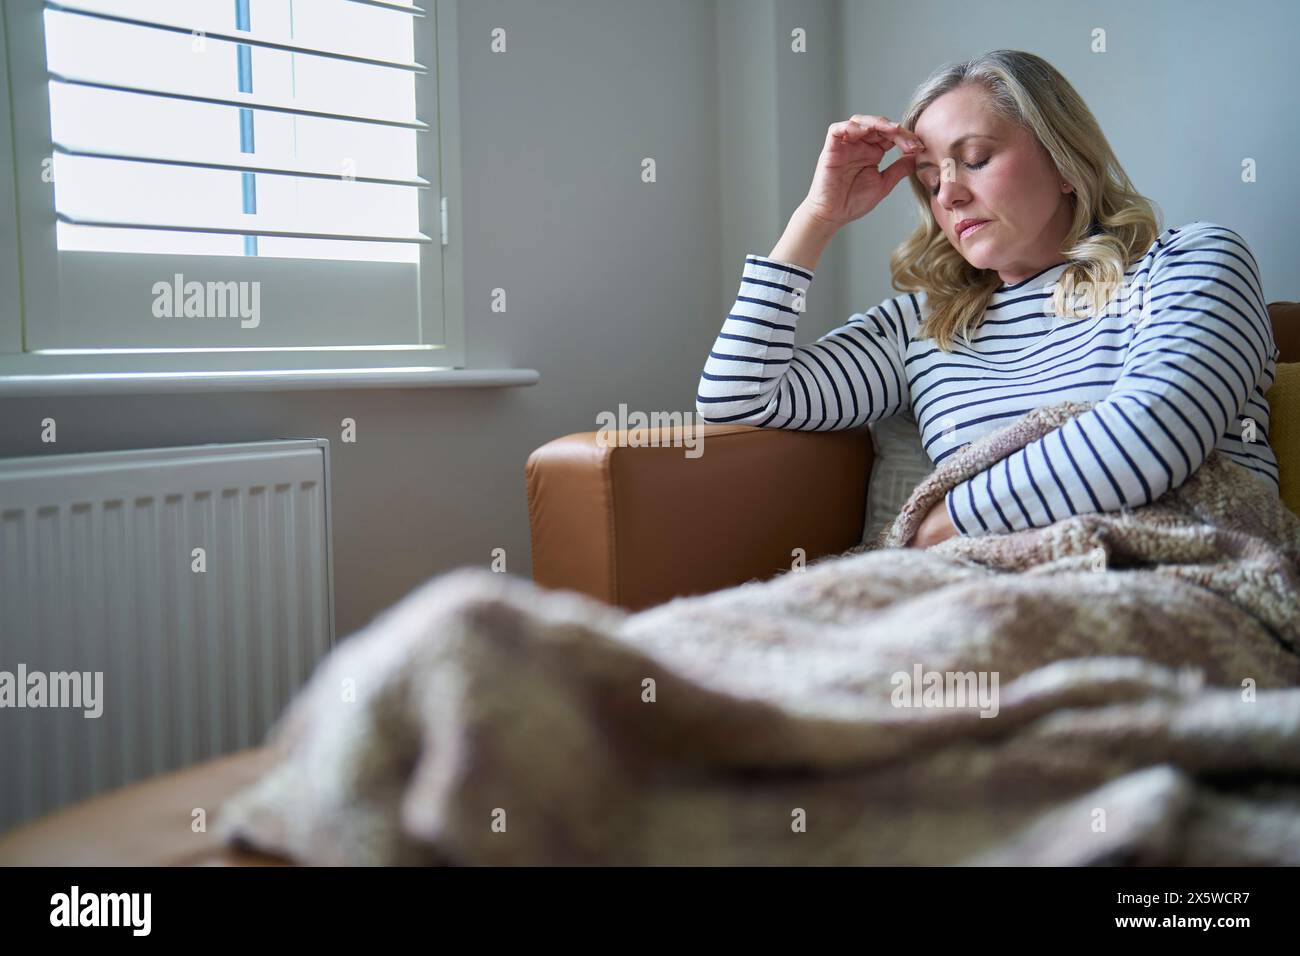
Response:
column 636, row 524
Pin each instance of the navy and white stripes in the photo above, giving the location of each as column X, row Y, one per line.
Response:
column 1179, row 368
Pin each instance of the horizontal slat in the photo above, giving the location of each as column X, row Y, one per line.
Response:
column 417, row 183
column 246, row 39
column 395, row 7
column 244, row 104
column 235, row 230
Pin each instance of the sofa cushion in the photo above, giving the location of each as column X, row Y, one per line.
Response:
column 899, row 465
column 1284, row 429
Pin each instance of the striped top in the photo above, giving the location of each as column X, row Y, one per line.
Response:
column 1178, row 365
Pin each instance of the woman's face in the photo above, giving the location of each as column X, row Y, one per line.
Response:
column 998, row 172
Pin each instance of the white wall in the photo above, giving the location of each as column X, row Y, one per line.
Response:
column 775, row 102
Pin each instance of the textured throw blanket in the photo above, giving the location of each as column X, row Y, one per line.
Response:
column 1115, row 688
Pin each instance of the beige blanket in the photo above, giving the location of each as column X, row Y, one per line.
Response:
column 1116, row 688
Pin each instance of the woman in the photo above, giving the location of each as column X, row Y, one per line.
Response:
column 1037, row 274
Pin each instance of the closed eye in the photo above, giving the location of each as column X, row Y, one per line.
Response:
column 980, row 165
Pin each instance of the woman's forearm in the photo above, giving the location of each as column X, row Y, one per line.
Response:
column 804, row 240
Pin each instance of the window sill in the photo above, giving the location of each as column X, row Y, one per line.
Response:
column 14, row 385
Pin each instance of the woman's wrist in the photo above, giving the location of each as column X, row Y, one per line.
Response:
column 818, row 225
column 804, row 240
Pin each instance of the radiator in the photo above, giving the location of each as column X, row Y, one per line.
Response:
column 199, row 650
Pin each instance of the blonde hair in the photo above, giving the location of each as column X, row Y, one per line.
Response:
column 1113, row 224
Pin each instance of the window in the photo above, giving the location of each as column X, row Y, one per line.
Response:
column 254, row 181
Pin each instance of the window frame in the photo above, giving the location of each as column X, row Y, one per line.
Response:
column 29, row 256
column 11, row 330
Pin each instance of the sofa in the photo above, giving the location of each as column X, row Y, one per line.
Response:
column 632, row 521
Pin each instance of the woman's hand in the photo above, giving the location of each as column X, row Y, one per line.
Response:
column 936, row 527
column 848, row 182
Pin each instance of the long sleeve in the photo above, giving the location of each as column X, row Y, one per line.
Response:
column 1203, row 344
column 756, row 375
